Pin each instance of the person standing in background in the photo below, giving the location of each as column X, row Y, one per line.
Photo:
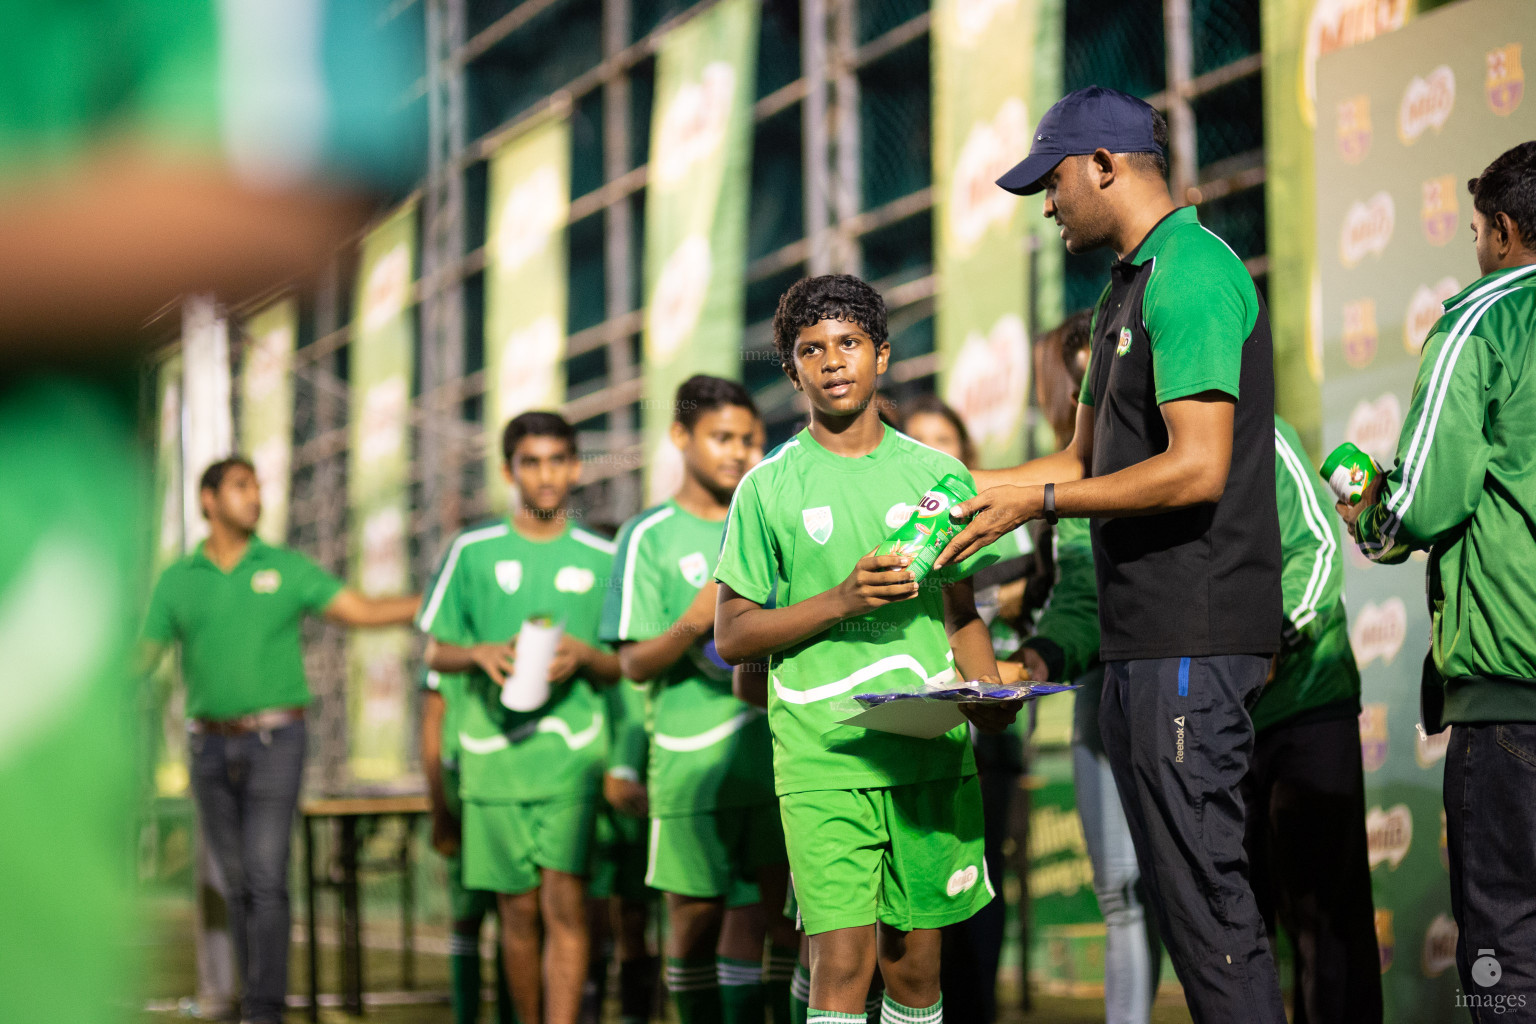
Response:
column 236, row 605
column 1464, row 490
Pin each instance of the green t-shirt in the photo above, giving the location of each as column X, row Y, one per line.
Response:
column 72, row 528
column 800, row 521
column 240, row 631
column 708, row 749
column 629, row 729
column 492, row 579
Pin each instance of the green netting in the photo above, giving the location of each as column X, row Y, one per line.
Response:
column 778, row 51
column 587, row 299
column 876, row 17
column 896, row 108
column 776, row 207
column 543, row 56
column 1239, row 219
column 1230, row 120
column 1115, row 43
column 901, row 251
column 587, row 144
column 1223, row 31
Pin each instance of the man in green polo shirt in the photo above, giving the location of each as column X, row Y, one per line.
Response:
column 235, row 605
column 530, row 780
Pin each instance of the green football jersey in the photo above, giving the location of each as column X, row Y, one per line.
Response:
column 708, row 749
column 491, row 580
column 800, row 521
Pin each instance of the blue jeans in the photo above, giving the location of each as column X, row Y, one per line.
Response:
column 247, row 789
column 1133, row 955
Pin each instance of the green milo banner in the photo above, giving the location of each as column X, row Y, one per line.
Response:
column 696, row 216
column 982, row 124
column 170, row 540
column 266, row 411
column 1296, row 34
column 383, row 344
column 1402, row 123
column 525, row 279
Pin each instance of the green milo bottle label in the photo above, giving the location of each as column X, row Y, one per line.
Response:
column 929, row 528
column 1348, row 471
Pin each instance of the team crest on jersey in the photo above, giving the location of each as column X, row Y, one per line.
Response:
column 818, row 523
column 1354, row 128
column 266, row 581
column 573, row 579
column 1125, row 342
column 1440, row 209
column 1504, row 84
column 695, row 568
column 509, row 575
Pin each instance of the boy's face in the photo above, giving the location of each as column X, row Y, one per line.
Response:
column 935, row 431
column 837, row 366
column 719, row 449
column 236, row 502
column 544, row 469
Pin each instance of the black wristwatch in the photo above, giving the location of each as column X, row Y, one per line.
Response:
column 1050, row 504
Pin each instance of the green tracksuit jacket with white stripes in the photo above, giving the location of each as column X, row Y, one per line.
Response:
column 1464, row 489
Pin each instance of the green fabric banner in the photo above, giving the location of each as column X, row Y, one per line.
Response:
column 1296, row 33
column 1402, row 122
column 266, row 410
column 383, row 344
column 696, row 217
column 982, row 124
column 525, row 284
column 170, row 541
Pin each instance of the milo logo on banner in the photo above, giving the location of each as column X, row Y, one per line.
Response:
column 1338, row 25
column 1427, row 104
column 1367, row 229
column 1388, row 834
column 1426, row 306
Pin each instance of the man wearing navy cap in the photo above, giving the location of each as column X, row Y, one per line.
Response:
column 1174, row 461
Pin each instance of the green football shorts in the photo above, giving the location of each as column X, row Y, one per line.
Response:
column 709, row 855
column 907, row 856
column 466, row 904
column 618, row 858
column 506, row 845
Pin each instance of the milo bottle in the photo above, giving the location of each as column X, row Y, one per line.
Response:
column 929, row 528
column 1349, row 471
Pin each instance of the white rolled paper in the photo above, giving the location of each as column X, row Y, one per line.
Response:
column 527, row 688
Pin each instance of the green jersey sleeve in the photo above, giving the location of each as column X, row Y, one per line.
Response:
column 1067, row 633
column 1199, row 313
column 317, row 588
column 443, row 614
column 1311, row 576
column 159, row 626
column 749, row 560
column 1442, row 453
column 631, row 606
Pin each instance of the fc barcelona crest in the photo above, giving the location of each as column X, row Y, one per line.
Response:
column 1373, row 736
column 1360, row 332
column 818, row 523
column 1354, row 129
column 1440, row 209
column 1504, row 84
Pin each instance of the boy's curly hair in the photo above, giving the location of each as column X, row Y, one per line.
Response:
column 811, row 300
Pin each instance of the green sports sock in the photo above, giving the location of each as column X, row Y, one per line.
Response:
column 741, row 990
column 832, row 1017
column 892, row 1012
column 800, row 993
column 464, row 977
column 777, row 980
column 695, row 991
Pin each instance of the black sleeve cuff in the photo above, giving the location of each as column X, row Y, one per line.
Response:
column 1051, row 653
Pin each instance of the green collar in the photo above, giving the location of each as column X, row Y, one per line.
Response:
column 1149, row 246
column 1526, row 274
column 254, row 551
column 850, row 464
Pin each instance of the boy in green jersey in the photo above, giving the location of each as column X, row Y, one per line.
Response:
column 529, row 780
column 442, row 696
column 879, row 827
column 714, row 819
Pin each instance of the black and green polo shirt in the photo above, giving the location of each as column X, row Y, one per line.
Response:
column 1181, row 317
column 240, row 630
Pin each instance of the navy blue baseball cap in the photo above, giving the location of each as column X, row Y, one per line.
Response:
column 1081, row 122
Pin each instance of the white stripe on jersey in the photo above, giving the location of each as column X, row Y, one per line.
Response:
column 461, row 542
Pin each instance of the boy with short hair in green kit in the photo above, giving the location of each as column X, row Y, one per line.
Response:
column 529, row 780
column 880, row 827
column 714, row 819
